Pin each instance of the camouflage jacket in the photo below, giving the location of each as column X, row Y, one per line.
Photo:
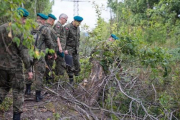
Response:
column 43, row 40
column 72, row 37
column 53, row 35
column 11, row 55
column 60, row 33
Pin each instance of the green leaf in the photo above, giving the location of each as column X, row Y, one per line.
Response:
column 16, row 40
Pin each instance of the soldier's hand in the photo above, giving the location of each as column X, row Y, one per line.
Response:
column 60, row 49
column 30, row 75
column 66, row 52
column 50, row 56
column 55, row 56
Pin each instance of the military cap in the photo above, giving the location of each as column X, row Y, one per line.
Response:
column 52, row 16
column 43, row 16
column 78, row 18
column 23, row 12
column 114, row 37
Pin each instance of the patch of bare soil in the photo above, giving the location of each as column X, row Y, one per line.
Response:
column 58, row 104
column 63, row 101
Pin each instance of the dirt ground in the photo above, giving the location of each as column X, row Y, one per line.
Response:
column 52, row 107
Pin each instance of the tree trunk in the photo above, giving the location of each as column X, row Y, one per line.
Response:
column 91, row 87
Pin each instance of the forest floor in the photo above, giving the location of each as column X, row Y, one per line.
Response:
column 60, row 102
column 56, row 105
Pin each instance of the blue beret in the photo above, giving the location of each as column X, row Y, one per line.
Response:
column 78, row 18
column 23, row 12
column 43, row 16
column 114, row 37
column 52, row 16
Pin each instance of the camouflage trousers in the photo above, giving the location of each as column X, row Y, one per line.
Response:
column 60, row 66
column 39, row 68
column 49, row 65
column 75, row 69
column 27, row 81
column 15, row 80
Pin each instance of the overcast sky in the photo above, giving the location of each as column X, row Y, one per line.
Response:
column 86, row 10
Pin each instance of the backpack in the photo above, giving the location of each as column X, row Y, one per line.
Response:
column 36, row 34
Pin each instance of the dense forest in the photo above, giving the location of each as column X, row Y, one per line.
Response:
column 134, row 78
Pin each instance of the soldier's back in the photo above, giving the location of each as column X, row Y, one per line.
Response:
column 9, row 51
column 41, row 36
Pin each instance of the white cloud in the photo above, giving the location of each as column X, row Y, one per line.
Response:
column 86, row 10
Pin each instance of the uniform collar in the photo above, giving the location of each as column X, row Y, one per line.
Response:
column 39, row 23
column 59, row 22
column 47, row 24
column 73, row 25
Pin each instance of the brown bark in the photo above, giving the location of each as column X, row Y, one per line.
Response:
column 91, row 87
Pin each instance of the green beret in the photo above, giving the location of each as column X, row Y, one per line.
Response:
column 23, row 12
column 78, row 18
column 114, row 37
column 52, row 16
column 43, row 16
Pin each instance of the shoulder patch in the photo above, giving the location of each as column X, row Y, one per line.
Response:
column 67, row 28
column 58, row 26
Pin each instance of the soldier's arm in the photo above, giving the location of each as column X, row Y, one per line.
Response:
column 63, row 38
column 26, row 58
column 54, row 37
column 67, row 34
column 59, row 44
column 58, row 28
column 28, row 62
column 48, row 39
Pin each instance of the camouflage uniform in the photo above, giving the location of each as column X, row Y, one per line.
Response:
column 60, row 62
column 12, row 58
column 50, row 61
column 72, row 45
column 44, row 40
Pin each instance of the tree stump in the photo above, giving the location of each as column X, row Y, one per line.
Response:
column 91, row 87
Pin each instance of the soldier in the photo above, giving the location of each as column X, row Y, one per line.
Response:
column 103, row 51
column 113, row 38
column 11, row 66
column 50, row 58
column 41, row 21
column 72, row 46
column 58, row 27
column 42, row 40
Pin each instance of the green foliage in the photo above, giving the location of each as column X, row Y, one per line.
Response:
column 102, row 27
column 7, row 103
column 9, row 10
column 33, row 6
column 165, row 100
column 39, row 6
column 106, row 52
column 128, row 46
column 149, row 42
column 154, row 56
column 85, row 69
column 16, row 40
column 56, row 115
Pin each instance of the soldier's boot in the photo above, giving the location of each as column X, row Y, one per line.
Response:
column 76, row 73
column 71, row 79
column 49, row 79
column 16, row 116
column 1, row 114
column 28, row 89
column 38, row 96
